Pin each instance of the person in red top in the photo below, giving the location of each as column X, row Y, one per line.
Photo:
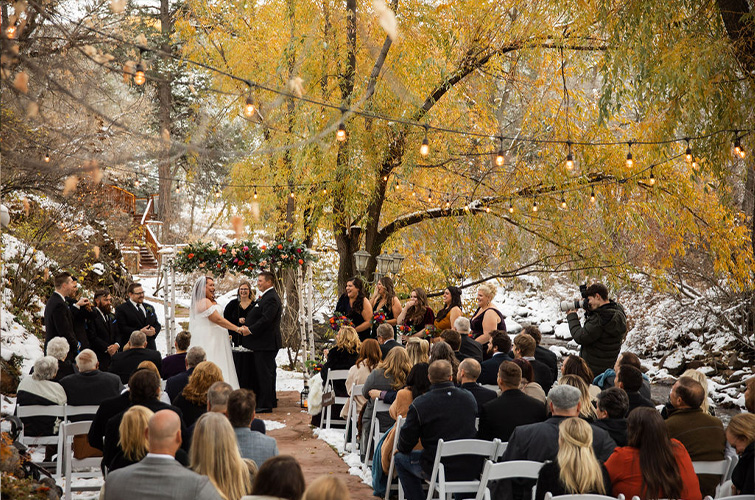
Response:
column 652, row 466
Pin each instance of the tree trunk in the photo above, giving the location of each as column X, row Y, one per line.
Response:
column 164, row 97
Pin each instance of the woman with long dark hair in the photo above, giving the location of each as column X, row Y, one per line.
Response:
column 354, row 305
column 368, row 360
column 238, row 308
column 451, row 309
column 416, row 313
column 384, row 301
column 652, row 466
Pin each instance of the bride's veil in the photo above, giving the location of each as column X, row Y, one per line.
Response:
column 198, row 295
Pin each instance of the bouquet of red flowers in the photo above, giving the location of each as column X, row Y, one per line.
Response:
column 431, row 331
column 378, row 318
column 337, row 320
column 405, row 329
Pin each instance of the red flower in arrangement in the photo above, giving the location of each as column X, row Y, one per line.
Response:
column 241, row 263
column 280, row 247
column 246, row 248
column 263, row 247
column 378, row 318
column 405, row 329
column 298, row 250
column 191, row 256
column 218, row 266
column 223, row 250
column 301, row 262
column 250, row 267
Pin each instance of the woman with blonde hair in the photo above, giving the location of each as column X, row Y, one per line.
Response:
column 133, row 444
column 193, row 399
column 341, row 357
column 418, row 350
column 327, row 488
column 486, row 318
column 740, row 434
column 576, row 470
column 586, row 409
column 368, row 360
column 215, row 453
column 416, row 313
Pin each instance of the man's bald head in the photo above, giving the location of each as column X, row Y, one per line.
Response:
column 164, row 432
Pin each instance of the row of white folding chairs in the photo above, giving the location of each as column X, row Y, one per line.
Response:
column 68, row 430
column 64, row 413
column 326, row 413
column 352, row 417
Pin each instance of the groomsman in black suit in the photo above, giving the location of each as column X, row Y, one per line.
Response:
column 58, row 316
column 134, row 315
column 264, row 339
column 101, row 329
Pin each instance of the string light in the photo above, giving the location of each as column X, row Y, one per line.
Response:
column 534, row 205
column 563, row 202
column 592, row 195
column 569, row 158
column 511, row 206
column 341, row 133
column 487, row 209
column 218, row 192
column 324, row 190
column 178, row 187
column 499, row 158
column 11, row 32
column 139, row 77
column 688, row 154
column 738, row 149
column 137, row 182
column 398, row 185
column 424, row 149
column 448, row 204
column 430, row 196
column 292, row 195
column 651, row 180
column 414, row 193
column 249, row 108
column 255, row 192
column 629, row 155
column 47, row 156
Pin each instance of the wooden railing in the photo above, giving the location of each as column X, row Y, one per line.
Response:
column 119, row 197
column 128, row 202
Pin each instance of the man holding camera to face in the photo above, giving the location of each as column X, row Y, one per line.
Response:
column 604, row 328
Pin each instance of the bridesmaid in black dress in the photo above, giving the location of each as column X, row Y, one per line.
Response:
column 384, row 300
column 355, row 306
column 238, row 308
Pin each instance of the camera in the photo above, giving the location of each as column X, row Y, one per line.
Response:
column 567, row 305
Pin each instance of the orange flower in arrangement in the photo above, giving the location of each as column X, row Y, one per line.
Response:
column 191, row 256
column 280, row 247
column 263, row 247
column 223, row 250
column 301, row 262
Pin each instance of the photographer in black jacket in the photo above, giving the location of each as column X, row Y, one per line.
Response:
column 603, row 331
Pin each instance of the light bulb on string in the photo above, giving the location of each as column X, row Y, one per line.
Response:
column 178, row 187
column 563, row 203
column 511, row 206
column 688, row 154
column 47, row 156
column 139, row 77
column 499, row 158
column 292, row 195
column 341, row 132
column 424, row 149
column 569, row 164
column 218, row 192
column 414, row 193
column 324, row 190
column 651, row 180
column 592, row 195
column 738, row 149
column 255, row 192
column 429, row 195
column 487, row 209
column 630, row 162
column 249, row 108
column 398, row 185
column 534, row 205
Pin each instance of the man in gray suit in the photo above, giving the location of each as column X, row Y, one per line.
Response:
column 159, row 476
column 252, row 444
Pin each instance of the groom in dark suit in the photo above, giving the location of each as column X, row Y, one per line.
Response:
column 134, row 315
column 58, row 316
column 264, row 339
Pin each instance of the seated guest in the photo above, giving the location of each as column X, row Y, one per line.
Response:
column 90, row 386
column 441, row 350
column 252, row 444
column 214, row 453
column 369, row 358
column 741, row 436
column 193, row 399
column 469, row 347
column 279, row 477
column 144, row 388
column 542, row 354
column 524, row 347
column 385, row 338
column 701, row 434
column 124, row 363
column 575, row 470
column 529, row 386
column 427, row 421
column 539, row 441
column 58, row 348
column 651, row 466
column 586, row 409
column 40, row 389
column 629, row 378
column 149, row 365
column 175, row 384
column 574, row 365
column 512, row 408
column 467, row 374
column 750, row 395
column 418, row 350
column 341, row 357
column 453, row 339
column 700, row 377
column 132, row 438
column 613, row 404
column 499, row 348
column 176, row 363
column 327, row 488
column 608, row 378
column 157, row 476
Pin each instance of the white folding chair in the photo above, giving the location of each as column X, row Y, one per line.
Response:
column 470, row 447
column 492, row 387
column 79, row 410
column 733, row 497
column 57, row 411
column 718, row 467
column 583, row 496
column 524, row 469
column 333, row 375
column 733, row 461
column 351, row 417
column 374, row 432
column 501, row 450
column 389, row 483
column 67, row 432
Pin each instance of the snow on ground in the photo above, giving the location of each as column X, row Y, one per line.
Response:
column 335, row 438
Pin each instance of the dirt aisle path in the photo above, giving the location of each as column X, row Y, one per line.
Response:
column 314, row 455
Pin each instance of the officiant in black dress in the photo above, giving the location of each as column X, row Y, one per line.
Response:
column 237, row 310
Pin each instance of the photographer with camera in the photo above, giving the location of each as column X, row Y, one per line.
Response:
column 604, row 328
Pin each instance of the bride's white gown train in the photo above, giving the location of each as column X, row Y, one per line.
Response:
column 214, row 340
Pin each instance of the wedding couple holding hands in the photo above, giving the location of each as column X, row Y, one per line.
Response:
column 260, row 333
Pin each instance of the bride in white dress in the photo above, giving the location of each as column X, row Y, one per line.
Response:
column 209, row 329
